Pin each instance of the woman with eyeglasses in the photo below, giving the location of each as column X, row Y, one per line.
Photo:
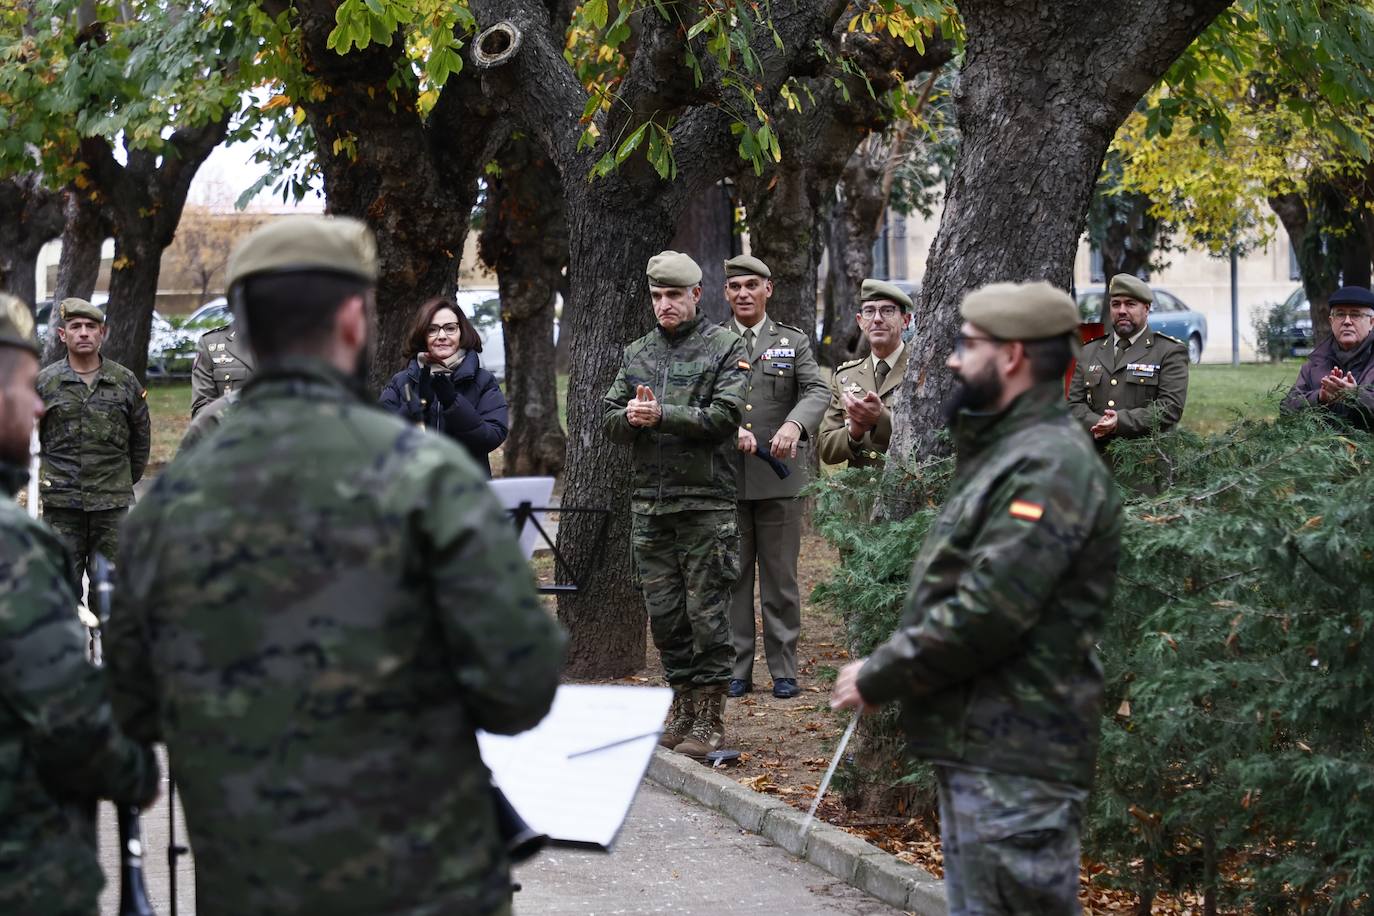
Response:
column 444, row 387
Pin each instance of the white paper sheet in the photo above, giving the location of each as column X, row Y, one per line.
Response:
column 563, row 777
column 512, row 491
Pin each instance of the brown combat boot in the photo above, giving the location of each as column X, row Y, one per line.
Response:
column 680, row 717
column 708, row 731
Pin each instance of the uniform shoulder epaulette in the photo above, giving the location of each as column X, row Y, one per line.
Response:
column 1094, row 339
column 851, row 364
column 216, row 328
column 1168, row 337
column 793, row 327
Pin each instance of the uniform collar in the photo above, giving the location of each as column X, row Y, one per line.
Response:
column 683, row 330
column 71, row 375
column 1135, row 337
column 891, row 360
column 975, row 432
column 302, row 377
column 756, row 328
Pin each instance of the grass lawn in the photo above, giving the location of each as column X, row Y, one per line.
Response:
column 170, row 407
column 1216, row 394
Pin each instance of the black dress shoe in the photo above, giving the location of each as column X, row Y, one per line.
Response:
column 785, row 688
column 739, row 688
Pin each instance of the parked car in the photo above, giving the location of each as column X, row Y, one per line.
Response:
column 171, row 350
column 1169, row 315
column 213, row 314
column 1298, row 339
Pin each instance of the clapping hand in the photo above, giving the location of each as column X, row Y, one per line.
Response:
column 862, row 414
column 643, row 409
column 1105, row 426
column 1336, row 385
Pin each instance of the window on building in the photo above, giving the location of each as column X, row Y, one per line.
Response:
column 1095, row 272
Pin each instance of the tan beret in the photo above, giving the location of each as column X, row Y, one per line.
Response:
column 673, row 268
column 881, row 289
column 336, row 244
column 1021, row 311
column 1133, row 286
column 71, row 308
column 746, row 265
column 16, row 324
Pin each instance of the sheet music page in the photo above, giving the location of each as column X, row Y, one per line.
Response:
column 512, row 491
column 556, row 777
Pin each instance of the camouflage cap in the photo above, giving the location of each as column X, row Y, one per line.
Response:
column 881, row 289
column 71, row 308
column 746, row 265
column 673, row 268
column 1022, row 311
column 1132, row 286
column 334, row 244
column 16, row 324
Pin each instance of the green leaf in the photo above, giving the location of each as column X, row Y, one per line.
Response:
column 596, row 12
column 701, row 25
column 631, row 143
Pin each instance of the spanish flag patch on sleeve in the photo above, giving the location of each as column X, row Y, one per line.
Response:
column 743, row 365
column 1026, row 511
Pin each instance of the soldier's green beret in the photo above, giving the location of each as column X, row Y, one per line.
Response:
column 16, row 324
column 673, row 268
column 335, row 244
column 1130, row 285
column 881, row 289
column 746, row 265
column 1021, row 311
column 71, row 308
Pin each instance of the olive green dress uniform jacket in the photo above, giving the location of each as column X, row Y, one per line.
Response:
column 59, row 747
column 95, row 438
column 783, row 386
column 319, row 606
column 1146, row 386
column 856, row 377
column 698, row 373
column 995, row 657
column 223, row 364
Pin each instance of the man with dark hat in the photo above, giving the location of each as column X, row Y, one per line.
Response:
column 61, row 748
column 785, row 397
column 857, row 426
column 995, row 659
column 677, row 402
column 1132, row 381
column 320, row 605
column 1338, row 378
column 96, row 437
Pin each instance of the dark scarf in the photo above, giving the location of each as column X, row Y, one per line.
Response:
column 1355, row 359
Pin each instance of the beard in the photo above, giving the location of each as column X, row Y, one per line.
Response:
column 974, row 393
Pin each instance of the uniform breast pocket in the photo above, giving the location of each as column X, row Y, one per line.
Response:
column 1094, row 377
column 782, row 378
column 689, row 384
column 1146, row 382
column 109, row 421
column 230, row 377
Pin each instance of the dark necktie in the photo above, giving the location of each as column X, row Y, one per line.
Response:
column 1122, row 343
column 749, row 342
column 880, row 372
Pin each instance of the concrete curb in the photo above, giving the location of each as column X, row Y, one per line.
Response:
column 844, row 855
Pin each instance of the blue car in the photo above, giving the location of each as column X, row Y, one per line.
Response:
column 1169, row 315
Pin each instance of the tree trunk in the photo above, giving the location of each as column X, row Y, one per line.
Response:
column 854, row 219
column 78, row 264
column 525, row 240
column 706, row 231
column 1315, row 262
column 1043, row 89
column 133, row 293
column 30, row 217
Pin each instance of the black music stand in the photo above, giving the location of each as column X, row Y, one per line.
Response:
column 525, row 513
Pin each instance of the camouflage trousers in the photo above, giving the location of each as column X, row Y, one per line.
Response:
column 87, row 534
column 686, row 564
column 1010, row 843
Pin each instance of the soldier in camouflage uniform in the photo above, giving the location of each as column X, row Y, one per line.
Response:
column 223, row 364
column 59, row 747
column 320, row 605
column 95, row 435
column 677, row 403
column 995, row 658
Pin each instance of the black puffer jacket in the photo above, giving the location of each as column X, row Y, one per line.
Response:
column 478, row 417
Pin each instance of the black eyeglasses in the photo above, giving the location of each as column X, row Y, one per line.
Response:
column 887, row 311
column 449, row 330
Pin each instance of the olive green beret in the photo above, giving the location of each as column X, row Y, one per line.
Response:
column 336, row 244
column 1133, row 286
column 68, row 309
column 879, row 289
column 16, row 324
column 746, row 265
column 673, row 268
column 1021, row 311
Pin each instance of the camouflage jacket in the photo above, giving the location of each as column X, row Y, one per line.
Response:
column 95, row 438
column 320, row 604
column 59, row 747
column 698, row 374
column 995, row 656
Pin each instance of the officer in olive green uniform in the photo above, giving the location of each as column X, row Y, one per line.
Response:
column 784, row 400
column 995, row 659
column 1134, row 380
column 223, row 364
column 320, row 605
column 857, row 426
column 96, row 437
column 58, row 741
column 677, row 402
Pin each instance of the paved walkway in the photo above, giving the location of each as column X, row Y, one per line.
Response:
column 673, row 856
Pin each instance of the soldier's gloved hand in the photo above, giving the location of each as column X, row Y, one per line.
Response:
column 425, row 388
column 444, row 389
